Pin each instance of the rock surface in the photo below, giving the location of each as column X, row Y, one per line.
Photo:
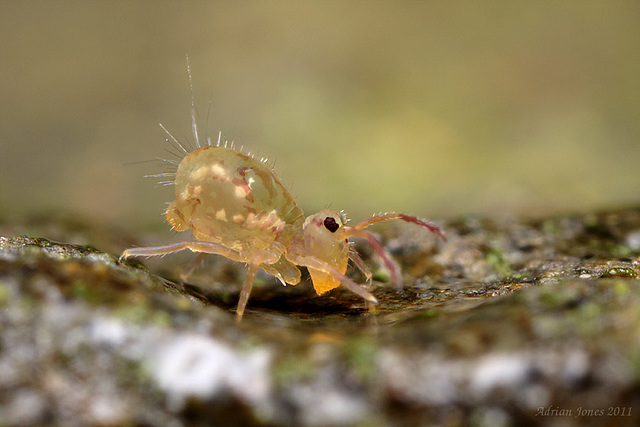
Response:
column 509, row 322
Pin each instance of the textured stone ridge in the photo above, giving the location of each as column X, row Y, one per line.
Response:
column 509, row 322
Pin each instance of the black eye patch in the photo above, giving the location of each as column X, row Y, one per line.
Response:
column 331, row 224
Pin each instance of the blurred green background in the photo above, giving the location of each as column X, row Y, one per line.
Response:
column 431, row 108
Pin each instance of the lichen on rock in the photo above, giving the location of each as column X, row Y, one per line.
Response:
column 511, row 321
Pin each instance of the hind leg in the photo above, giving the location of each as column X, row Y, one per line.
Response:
column 253, row 262
column 194, row 246
column 192, row 266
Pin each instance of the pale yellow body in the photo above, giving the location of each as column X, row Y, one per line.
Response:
column 227, row 197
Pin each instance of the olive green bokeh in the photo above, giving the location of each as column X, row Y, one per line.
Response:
column 430, row 108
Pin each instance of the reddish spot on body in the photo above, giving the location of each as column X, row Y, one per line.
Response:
column 242, row 183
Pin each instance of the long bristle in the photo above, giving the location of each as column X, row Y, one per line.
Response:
column 174, row 139
column 173, row 162
column 194, row 121
column 160, row 175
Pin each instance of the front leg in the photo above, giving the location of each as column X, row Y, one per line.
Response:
column 357, row 260
column 391, row 265
column 317, row 264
